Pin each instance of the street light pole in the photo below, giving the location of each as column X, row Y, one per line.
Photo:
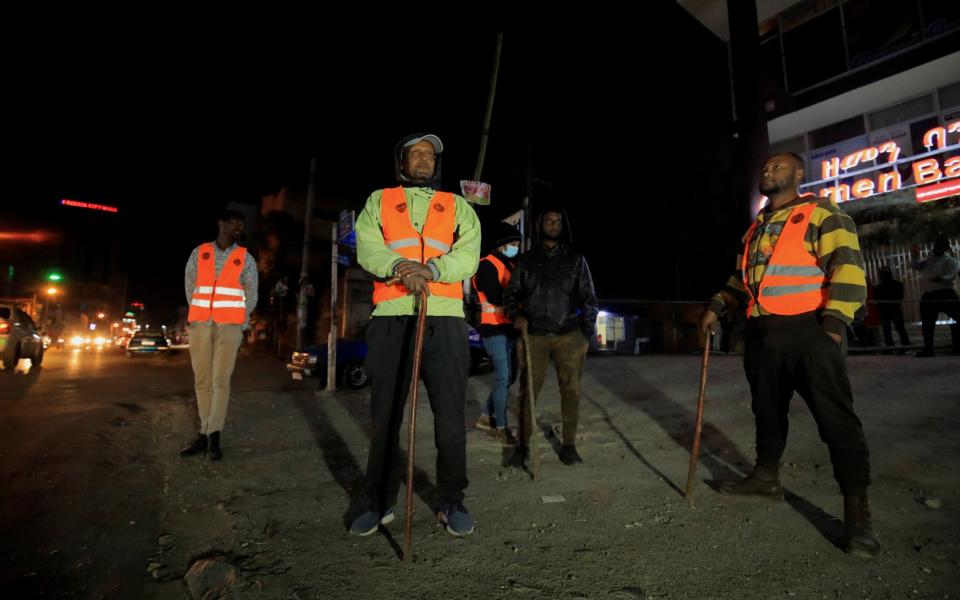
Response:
column 51, row 292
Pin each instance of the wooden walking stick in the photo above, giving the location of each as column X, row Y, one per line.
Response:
column 695, row 449
column 412, row 429
column 534, row 444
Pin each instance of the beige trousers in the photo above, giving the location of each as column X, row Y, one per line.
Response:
column 213, row 353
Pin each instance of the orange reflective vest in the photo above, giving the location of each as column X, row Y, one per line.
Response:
column 400, row 236
column 220, row 298
column 792, row 282
column 491, row 314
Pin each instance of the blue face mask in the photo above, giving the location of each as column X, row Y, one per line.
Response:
column 511, row 251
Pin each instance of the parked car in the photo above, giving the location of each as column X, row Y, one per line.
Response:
column 351, row 356
column 478, row 354
column 147, row 342
column 19, row 338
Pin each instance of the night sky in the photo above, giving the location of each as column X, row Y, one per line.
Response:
column 632, row 137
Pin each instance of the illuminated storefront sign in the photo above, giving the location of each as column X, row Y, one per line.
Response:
column 934, row 173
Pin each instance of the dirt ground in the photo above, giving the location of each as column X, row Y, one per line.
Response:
column 278, row 506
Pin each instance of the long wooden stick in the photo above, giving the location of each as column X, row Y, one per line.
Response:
column 412, row 429
column 531, row 407
column 698, row 427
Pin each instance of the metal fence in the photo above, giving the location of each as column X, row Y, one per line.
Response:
column 900, row 262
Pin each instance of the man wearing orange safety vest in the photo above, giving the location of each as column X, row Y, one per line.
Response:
column 496, row 329
column 801, row 279
column 221, row 284
column 429, row 239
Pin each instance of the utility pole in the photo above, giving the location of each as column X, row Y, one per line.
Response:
column 305, row 259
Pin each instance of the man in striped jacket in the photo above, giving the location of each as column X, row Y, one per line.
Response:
column 801, row 278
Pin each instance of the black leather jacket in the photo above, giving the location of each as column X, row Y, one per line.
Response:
column 553, row 290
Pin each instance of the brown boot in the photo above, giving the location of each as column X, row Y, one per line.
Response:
column 764, row 482
column 861, row 541
column 505, row 437
column 484, row 423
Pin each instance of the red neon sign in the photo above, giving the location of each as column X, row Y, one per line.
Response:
column 89, row 205
column 940, row 190
column 926, row 171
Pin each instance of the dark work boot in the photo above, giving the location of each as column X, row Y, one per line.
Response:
column 861, row 541
column 521, row 454
column 197, row 446
column 569, row 456
column 214, row 451
column 764, row 482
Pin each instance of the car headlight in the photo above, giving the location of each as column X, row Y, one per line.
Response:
column 76, row 340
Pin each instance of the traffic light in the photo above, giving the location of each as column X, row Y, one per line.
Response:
column 54, row 276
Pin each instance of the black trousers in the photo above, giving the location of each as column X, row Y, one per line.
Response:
column 931, row 305
column 893, row 315
column 788, row 354
column 445, row 365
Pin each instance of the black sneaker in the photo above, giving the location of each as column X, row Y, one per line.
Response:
column 569, row 456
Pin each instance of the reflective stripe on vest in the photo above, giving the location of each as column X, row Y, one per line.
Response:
column 218, row 297
column 792, row 282
column 491, row 314
column 400, row 236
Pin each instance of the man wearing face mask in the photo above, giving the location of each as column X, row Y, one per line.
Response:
column 221, row 284
column 550, row 296
column 496, row 329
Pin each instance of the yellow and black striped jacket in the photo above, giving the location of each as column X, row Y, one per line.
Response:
column 831, row 237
